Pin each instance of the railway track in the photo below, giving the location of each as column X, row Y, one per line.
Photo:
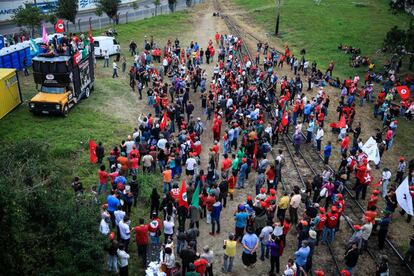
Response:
column 395, row 258
column 316, row 166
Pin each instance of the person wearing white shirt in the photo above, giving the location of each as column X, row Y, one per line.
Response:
column 190, row 166
column 386, row 176
column 125, row 231
column 167, row 257
column 104, row 226
column 319, row 136
column 114, row 70
column 123, row 258
column 168, row 228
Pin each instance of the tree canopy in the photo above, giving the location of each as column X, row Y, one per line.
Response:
column 28, row 16
column 45, row 230
column 67, row 9
column 109, row 7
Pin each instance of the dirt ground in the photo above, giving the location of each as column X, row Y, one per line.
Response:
column 205, row 26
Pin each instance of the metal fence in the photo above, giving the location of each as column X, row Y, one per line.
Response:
column 131, row 15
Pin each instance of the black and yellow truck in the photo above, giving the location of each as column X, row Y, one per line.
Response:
column 62, row 81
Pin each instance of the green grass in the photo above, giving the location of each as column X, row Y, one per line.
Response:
column 109, row 115
column 320, row 29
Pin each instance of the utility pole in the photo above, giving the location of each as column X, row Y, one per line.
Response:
column 277, row 17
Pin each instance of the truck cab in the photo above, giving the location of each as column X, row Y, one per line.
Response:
column 62, row 81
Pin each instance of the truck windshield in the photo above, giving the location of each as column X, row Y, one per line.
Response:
column 53, row 90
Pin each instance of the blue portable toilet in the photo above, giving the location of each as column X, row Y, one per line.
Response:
column 5, row 57
column 15, row 59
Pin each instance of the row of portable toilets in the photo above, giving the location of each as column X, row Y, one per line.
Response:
column 14, row 55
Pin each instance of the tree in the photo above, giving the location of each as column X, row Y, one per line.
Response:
column 157, row 3
column 394, row 39
column 67, row 9
column 28, row 16
column 135, row 5
column 45, row 229
column 110, row 7
column 171, row 5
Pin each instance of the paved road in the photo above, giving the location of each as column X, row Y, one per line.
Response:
column 82, row 20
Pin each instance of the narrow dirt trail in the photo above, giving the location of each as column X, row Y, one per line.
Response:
column 206, row 27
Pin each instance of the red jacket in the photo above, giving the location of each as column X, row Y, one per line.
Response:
column 332, row 220
column 141, row 234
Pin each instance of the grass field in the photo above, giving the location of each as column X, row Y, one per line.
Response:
column 109, row 115
column 320, row 28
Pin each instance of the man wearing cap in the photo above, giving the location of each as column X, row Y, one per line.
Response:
column 311, row 243
column 241, row 221
column 331, row 222
column 366, row 232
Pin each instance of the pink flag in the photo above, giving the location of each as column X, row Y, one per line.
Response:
column 45, row 39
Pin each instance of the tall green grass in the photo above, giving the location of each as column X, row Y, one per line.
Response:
column 320, row 28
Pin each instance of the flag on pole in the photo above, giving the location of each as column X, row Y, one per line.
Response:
column 195, row 200
column 404, row 197
column 92, row 151
column 371, row 150
column 164, row 120
column 182, row 199
column 342, row 122
column 45, row 39
column 403, row 91
column 285, row 119
column 59, row 26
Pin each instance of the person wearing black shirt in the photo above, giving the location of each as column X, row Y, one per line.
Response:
column 351, row 257
column 224, row 189
column 100, row 152
column 134, row 188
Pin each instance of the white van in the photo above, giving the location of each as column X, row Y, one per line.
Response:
column 106, row 43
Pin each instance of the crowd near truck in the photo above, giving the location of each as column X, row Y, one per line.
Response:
column 62, row 81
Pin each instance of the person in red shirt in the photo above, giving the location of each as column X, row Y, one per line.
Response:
column 340, row 204
column 345, row 144
column 225, row 165
column 103, row 179
column 320, row 222
column 232, row 184
column 133, row 164
column 200, row 265
column 141, row 238
column 154, row 229
column 331, row 222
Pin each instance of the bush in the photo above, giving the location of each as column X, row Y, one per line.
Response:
column 44, row 229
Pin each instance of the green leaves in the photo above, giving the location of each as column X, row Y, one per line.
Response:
column 28, row 16
column 109, row 7
column 67, row 9
column 41, row 221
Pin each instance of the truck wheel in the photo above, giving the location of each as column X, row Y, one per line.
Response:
column 87, row 92
column 65, row 111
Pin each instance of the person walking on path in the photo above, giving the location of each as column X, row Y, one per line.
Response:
column 215, row 218
column 301, row 256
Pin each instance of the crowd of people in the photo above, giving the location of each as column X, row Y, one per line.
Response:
column 249, row 105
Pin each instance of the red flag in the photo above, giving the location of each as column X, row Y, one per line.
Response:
column 163, row 123
column 342, row 122
column 285, row 120
column 59, row 26
column 404, row 92
column 92, row 152
column 182, row 199
column 379, row 183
